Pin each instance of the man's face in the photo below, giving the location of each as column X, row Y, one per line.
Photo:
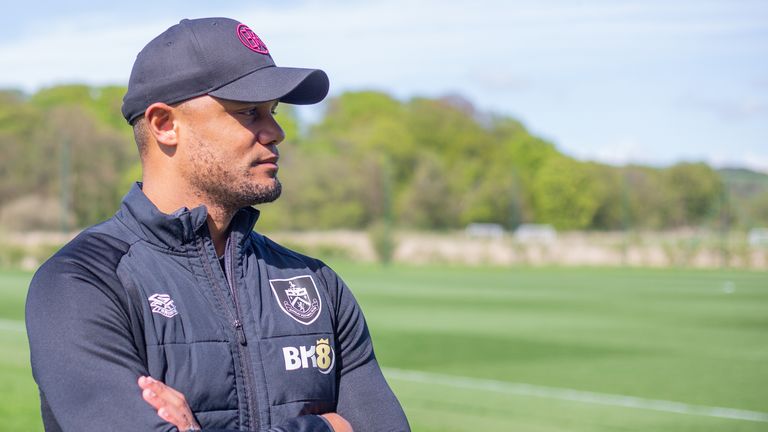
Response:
column 229, row 150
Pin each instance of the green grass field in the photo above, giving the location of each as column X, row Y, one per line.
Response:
column 458, row 343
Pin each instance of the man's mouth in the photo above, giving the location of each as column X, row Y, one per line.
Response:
column 267, row 161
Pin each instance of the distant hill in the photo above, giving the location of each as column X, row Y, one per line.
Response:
column 744, row 184
column 748, row 195
column 743, row 181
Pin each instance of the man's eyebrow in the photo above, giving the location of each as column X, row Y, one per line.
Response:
column 238, row 106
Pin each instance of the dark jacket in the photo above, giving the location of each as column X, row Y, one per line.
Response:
column 263, row 342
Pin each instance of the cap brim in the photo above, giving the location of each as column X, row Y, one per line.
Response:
column 289, row 85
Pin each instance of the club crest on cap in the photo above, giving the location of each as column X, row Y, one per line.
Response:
column 250, row 40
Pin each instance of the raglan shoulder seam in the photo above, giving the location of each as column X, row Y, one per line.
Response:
column 282, row 250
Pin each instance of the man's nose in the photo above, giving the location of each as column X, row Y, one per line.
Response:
column 271, row 133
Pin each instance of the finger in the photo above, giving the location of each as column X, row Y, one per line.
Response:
column 170, row 404
column 150, row 388
column 148, row 381
column 143, row 382
column 151, row 398
column 180, row 418
column 158, row 401
column 175, row 418
column 166, row 393
column 148, row 394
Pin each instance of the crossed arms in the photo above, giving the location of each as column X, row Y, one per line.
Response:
column 86, row 361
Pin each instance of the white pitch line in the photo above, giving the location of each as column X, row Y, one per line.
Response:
column 521, row 389
column 12, row 325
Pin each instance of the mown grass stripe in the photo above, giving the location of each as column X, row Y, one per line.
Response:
column 521, row 389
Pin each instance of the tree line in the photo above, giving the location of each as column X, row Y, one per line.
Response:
column 423, row 163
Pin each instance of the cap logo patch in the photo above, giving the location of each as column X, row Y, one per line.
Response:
column 250, row 40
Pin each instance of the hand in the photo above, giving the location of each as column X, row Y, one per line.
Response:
column 339, row 423
column 170, row 404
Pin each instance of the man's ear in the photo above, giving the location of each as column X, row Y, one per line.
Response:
column 161, row 123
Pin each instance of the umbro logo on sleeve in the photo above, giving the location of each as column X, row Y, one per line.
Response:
column 163, row 305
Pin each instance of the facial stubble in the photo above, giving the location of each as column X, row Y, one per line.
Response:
column 226, row 185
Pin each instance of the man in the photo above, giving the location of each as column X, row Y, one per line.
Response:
column 220, row 327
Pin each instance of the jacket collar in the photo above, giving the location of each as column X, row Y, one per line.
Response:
column 173, row 231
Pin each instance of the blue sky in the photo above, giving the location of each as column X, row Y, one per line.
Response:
column 652, row 82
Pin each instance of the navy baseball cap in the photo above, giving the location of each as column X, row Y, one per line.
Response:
column 220, row 57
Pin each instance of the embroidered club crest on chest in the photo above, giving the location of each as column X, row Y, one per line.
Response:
column 163, row 305
column 298, row 298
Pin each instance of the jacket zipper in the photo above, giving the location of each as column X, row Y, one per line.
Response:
column 238, row 324
column 245, row 363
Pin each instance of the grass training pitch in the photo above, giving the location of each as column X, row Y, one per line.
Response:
column 533, row 350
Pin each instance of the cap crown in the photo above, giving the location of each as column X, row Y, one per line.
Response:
column 190, row 59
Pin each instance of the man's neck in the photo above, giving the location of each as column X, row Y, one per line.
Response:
column 218, row 225
column 169, row 199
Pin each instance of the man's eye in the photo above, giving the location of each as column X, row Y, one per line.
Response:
column 253, row 112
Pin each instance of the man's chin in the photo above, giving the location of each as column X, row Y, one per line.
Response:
column 266, row 194
column 265, row 200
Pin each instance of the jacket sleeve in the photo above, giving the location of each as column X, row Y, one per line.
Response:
column 84, row 356
column 364, row 397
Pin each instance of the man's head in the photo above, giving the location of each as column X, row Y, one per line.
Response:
column 201, row 99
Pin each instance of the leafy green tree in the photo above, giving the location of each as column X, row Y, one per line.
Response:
column 647, row 200
column 347, row 124
column 495, row 198
column 431, row 200
column 426, row 163
column 96, row 156
column 317, row 194
column 523, row 155
column 129, row 176
column 286, row 118
column 103, row 103
column 610, row 188
column 565, row 194
column 759, row 210
column 26, row 166
column 695, row 190
column 442, row 128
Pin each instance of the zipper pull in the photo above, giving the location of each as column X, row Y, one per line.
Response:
column 240, row 332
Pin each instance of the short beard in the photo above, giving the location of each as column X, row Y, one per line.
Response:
column 236, row 196
column 221, row 186
column 258, row 194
